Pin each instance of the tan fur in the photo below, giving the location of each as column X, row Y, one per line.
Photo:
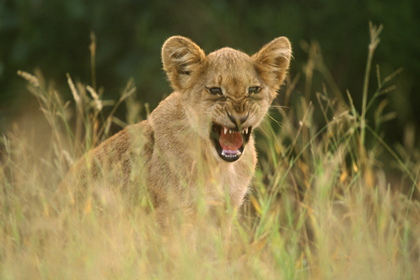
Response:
column 171, row 153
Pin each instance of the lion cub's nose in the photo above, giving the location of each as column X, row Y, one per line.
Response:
column 238, row 120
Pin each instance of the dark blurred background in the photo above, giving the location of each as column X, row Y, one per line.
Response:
column 54, row 36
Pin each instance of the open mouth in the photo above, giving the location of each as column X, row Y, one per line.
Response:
column 229, row 142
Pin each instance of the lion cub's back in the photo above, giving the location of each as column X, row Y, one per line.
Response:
column 113, row 161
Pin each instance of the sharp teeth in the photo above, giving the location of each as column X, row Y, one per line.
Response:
column 231, row 153
column 226, row 130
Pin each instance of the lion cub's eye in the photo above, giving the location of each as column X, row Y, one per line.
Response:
column 253, row 90
column 216, row 91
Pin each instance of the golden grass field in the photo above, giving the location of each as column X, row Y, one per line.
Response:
column 323, row 203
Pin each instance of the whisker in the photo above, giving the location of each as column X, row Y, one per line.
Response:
column 279, row 107
column 274, row 119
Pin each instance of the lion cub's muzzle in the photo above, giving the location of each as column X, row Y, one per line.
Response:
column 230, row 142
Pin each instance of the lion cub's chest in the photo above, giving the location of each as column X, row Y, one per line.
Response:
column 230, row 181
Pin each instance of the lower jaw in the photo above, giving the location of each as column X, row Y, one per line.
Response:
column 229, row 155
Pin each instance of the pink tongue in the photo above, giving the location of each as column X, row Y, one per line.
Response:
column 230, row 141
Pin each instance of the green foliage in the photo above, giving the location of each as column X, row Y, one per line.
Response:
column 55, row 35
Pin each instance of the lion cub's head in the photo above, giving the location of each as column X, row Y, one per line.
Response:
column 225, row 93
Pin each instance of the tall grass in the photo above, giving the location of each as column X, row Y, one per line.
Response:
column 322, row 204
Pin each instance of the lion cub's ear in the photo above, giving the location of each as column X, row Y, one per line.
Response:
column 272, row 61
column 181, row 59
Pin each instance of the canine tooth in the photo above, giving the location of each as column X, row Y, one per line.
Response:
column 225, row 130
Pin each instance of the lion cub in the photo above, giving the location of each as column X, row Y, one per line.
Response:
column 196, row 149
